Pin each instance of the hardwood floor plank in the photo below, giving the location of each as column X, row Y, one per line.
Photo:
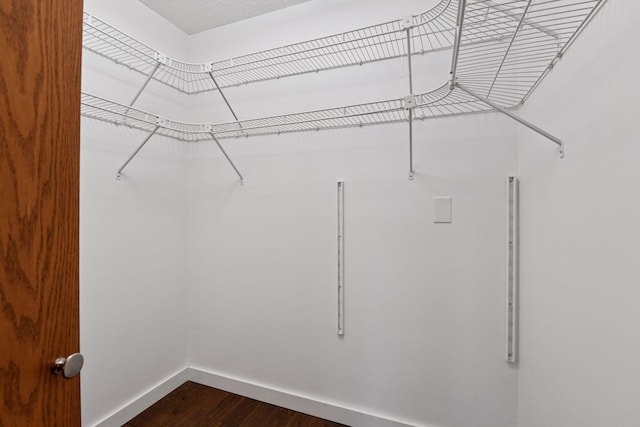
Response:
column 303, row 420
column 268, row 416
column 196, row 405
column 180, row 407
column 240, row 413
column 158, row 411
column 201, row 404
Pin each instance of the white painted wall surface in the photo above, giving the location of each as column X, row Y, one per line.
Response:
column 425, row 302
column 132, row 234
column 580, row 235
column 257, row 263
column 180, row 258
column 424, row 313
column 424, row 339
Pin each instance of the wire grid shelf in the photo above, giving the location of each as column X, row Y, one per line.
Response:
column 508, row 46
column 108, row 111
column 430, row 31
column 440, row 102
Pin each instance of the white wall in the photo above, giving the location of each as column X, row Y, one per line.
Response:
column 179, row 258
column 580, row 235
column 132, row 233
column 425, row 302
column 424, row 314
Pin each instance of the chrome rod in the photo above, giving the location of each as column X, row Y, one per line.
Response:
column 228, row 158
column 515, row 117
column 124, row 165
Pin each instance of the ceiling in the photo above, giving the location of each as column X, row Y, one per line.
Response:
column 193, row 16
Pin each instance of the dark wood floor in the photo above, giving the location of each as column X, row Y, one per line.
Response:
column 194, row 405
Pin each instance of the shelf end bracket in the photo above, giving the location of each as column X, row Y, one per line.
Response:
column 515, row 117
column 227, row 157
column 160, row 122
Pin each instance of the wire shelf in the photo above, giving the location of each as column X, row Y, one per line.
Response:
column 502, row 50
column 440, row 102
column 108, row 111
column 430, row 31
column 508, row 46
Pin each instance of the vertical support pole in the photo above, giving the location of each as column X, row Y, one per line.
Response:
column 409, row 60
column 341, row 258
column 511, row 336
column 227, row 157
column 411, row 104
column 411, row 144
column 124, row 165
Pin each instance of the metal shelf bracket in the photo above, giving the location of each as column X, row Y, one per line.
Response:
column 226, row 101
column 160, row 122
column 144, row 85
column 227, row 157
column 515, row 117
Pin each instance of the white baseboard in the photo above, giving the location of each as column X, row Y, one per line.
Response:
column 297, row 402
column 145, row 400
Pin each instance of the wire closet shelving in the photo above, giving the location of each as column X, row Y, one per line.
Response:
column 441, row 102
column 501, row 51
column 430, row 31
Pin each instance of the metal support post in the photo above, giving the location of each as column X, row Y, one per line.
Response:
column 409, row 60
column 515, row 117
column 411, row 104
column 411, row 176
column 227, row 157
column 124, row 165
column 511, row 327
column 340, row 258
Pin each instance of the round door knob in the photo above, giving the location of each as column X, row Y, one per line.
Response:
column 69, row 366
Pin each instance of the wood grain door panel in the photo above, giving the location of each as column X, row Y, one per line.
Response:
column 40, row 63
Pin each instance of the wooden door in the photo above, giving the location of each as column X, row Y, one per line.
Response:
column 40, row 53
